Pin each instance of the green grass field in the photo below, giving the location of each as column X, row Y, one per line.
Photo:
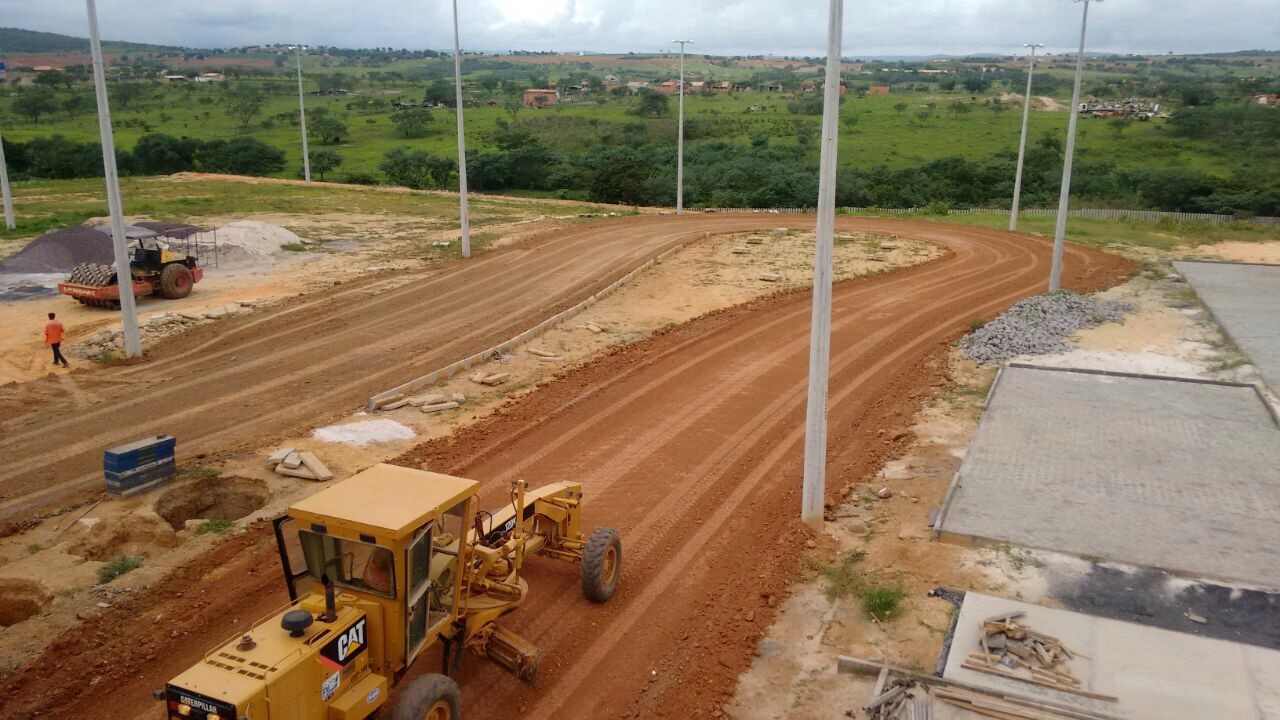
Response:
column 882, row 135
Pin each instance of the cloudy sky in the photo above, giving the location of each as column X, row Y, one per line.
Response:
column 887, row 27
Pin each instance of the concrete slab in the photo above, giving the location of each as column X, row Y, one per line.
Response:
column 1245, row 300
column 1155, row 674
column 1180, row 475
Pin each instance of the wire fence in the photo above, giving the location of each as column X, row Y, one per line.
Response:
column 1110, row 213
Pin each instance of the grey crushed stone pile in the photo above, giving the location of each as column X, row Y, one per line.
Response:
column 1038, row 325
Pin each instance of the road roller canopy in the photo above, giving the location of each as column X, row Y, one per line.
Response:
column 388, row 502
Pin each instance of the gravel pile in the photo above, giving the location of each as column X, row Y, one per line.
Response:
column 1038, row 325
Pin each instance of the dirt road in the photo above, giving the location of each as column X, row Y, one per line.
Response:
column 244, row 381
column 688, row 442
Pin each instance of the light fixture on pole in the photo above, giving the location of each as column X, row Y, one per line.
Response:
column 128, row 308
column 4, row 189
column 462, row 145
column 815, row 423
column 1060, row 231
column 1022, row 143
column 302, row 120
column 680, row 135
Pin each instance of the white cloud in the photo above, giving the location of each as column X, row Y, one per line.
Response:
column 921, row 27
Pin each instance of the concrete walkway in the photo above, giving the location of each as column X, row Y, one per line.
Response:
column 1180, row 475
column 1245, row 300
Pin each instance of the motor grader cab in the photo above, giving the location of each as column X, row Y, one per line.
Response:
column 380, row 567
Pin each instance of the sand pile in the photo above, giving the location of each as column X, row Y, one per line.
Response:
column 248, row 242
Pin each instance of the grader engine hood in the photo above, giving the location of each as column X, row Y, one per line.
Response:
column 280, row 675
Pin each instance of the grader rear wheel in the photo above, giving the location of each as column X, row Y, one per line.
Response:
column 601, row 564
column 430, row 697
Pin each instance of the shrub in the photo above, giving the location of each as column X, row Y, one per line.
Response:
column 213, row 526
column 118, row 565
column 883, row 601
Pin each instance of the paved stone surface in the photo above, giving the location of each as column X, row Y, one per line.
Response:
column 1183, row 476
column 1245, row 300
column 1155, row 674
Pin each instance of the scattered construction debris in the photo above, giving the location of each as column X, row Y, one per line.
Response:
column 439, row 406
column 740, row 251
column 483, row 377
column 1009, row 648
column 771, row 277
column 299, row 464
column 592, row 327
column 902, row 694
column 755, row 240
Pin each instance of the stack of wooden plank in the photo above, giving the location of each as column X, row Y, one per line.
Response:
column 1013, row 649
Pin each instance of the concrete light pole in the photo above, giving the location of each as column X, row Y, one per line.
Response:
column 128, row 308
column 462, row 145
column 4, row 189
column 1060, row 232
column 815, row 424
column 1022, row 144
column 680, row 135
column 302, row 120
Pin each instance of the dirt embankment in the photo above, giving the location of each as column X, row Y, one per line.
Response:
column 688, row 442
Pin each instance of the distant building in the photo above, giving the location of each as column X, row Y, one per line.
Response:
column 636, row 86
column 724, row 86
column 540, row 97
column 1272, row 99
column 210, row 77
column 3, row 71
column 697, row 86
column 775, row 86
column 1127, row 108
column 611, row 78
column 175, row 78
column 878, row 90
column 843, row 88
column 669, row 87
column 43, row 68
column 808, row 86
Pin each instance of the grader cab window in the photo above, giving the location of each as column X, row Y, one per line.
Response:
column 348, row 563
column 433, row 574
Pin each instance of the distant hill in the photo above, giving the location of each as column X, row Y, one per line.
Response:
column 16, row 40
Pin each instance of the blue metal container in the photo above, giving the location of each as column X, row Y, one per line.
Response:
column 140, row 465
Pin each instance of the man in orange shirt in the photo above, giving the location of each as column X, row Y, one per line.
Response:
column 53, row 338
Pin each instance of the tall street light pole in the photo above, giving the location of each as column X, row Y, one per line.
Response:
column 462, row 145
column 815, row 424
column 1022, row 144
column 680, row 135
column 1060, row 232
column 128, row 308
column 302, row 121
column 4, row 189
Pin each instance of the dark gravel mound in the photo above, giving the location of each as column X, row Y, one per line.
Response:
column 63, row 249
column 60, row 251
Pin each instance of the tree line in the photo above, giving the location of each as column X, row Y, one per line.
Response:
column 630, row 165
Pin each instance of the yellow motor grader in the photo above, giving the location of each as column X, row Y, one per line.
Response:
column 380, row 567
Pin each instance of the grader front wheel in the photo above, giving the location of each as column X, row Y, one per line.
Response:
column 601, row 564
column 430, row 697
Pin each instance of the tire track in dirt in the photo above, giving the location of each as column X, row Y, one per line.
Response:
column 689, row 443
column 252, row 380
